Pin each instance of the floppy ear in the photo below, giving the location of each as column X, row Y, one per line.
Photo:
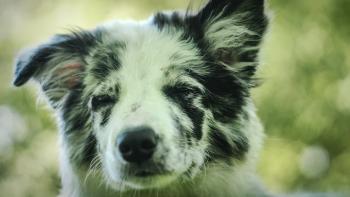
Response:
column 57, row 65
column 231, row 30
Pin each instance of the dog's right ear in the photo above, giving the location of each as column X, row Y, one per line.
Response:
column 57, row 65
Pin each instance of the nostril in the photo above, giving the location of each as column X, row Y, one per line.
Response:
column 125, row 149
column 148, row 146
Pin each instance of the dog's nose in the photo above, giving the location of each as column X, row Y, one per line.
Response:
column 137, row 144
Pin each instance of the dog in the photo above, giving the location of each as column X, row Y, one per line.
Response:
column 160, row 107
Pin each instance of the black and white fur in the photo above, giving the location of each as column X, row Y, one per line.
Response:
column 186, row 75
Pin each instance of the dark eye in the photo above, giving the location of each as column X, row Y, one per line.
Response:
column 98, row 102
column 181, row 91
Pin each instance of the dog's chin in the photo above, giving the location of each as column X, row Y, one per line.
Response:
column 150, row 181
column 144, row 180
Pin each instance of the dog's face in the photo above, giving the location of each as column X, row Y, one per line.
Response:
column 153, row 102
column 147, row 110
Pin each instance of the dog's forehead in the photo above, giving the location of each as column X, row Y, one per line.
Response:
column 148, row 55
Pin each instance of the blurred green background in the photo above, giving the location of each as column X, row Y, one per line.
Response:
column 304, row 101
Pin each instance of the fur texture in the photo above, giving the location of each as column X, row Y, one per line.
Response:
column 185, row 75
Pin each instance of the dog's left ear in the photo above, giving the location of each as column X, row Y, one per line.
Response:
column 231, row 30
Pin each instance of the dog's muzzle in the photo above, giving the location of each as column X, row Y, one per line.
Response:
column 138, row 148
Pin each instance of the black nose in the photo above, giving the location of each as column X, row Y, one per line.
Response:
column 137, row 144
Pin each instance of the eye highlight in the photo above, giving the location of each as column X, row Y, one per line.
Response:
column 100, row 101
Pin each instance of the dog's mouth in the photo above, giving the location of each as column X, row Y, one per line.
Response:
column 146, row 171
column 149, row 173
column 143, row 177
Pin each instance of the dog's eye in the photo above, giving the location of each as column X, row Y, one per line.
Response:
column 187, row 92
column 182, row 91
column 98, row 102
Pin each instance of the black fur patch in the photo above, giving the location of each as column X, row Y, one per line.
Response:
column 183, row 96
column 224, row 148
column 162, row 20
column 106, row 60
column 224, row 95
column 90, row 149
column 75, row 112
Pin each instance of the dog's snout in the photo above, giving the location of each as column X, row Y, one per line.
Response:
column 137, row 144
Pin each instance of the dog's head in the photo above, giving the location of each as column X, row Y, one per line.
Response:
column 155, row 101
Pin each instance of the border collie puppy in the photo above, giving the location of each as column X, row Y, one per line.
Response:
column 156, row 108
